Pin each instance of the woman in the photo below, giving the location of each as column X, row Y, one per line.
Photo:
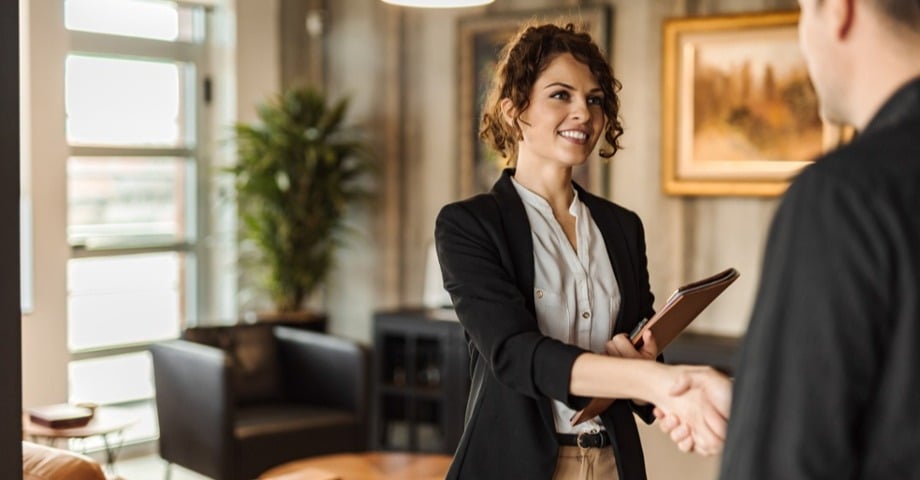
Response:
column 542, row 274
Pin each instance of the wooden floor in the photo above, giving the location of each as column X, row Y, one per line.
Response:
column 152, row 467
column 663, row 459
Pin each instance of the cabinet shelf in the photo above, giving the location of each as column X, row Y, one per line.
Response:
column 421, row 392
column 420, row 381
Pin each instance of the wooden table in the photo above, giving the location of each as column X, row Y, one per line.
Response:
column 364, row 466
column 105, row 422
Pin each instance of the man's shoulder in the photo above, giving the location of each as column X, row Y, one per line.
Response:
column 875, row 162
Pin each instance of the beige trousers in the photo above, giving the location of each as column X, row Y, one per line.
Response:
column 576, row 463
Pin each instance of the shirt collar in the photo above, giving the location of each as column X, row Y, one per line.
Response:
column 901, row 106
column 540, row 203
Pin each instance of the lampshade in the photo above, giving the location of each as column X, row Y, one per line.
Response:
column 439, row 3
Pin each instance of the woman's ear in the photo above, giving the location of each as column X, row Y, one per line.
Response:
column 507, row 111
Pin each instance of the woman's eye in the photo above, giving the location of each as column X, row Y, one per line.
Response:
column 595, row 100
column 560, row 95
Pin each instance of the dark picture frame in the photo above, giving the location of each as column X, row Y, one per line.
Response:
column 480, row 40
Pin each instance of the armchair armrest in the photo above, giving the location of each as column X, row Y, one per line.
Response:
column 323, row 369
column 194, row 402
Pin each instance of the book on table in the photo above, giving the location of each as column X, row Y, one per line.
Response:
column 682, row 307
column 61, row 415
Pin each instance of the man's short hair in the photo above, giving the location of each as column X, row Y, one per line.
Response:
column 905, row 13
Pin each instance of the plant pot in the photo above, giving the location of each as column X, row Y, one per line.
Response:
column 305, row 319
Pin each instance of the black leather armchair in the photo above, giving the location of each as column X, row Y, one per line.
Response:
column 235, row 401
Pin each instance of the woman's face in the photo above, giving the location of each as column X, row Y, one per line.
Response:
column 565, row 117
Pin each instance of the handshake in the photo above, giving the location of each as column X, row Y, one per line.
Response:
column 692, row 403
column 695, row 411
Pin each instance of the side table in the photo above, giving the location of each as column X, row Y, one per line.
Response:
column 364, row 466
column 106, row 422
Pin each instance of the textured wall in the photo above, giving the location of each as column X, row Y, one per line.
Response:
column 400, row 66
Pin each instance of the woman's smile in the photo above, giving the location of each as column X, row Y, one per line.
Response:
column 576, row 136
column 564, row 119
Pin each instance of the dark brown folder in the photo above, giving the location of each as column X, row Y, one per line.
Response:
column 61, row 415
column 681, row 308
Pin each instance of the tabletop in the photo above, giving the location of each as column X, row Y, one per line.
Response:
column 104, row 421
column 364, row 466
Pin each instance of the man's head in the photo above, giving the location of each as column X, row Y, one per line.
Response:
column 855, row 46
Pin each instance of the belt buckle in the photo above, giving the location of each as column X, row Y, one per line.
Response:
column 583, row 435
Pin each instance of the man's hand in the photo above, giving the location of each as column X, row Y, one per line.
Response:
column 695, row 411
column 680, row 434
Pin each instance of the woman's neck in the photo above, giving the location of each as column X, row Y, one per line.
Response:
column 552, row 183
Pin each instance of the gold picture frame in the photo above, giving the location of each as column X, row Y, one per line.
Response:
column 740, row 116
column 480, row 40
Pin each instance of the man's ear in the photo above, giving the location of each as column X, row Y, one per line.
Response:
column 508, row 111
column 842, row 14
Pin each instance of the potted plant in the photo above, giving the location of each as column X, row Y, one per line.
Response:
column 297, row 173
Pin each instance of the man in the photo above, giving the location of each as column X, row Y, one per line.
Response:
column 828, row 384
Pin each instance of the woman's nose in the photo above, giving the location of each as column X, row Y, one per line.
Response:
column 580, row 111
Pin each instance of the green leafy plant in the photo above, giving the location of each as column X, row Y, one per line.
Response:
column 297, row 173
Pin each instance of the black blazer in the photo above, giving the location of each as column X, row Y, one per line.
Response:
column 485, row 249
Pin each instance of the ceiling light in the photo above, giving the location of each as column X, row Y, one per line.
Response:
column 439, row 3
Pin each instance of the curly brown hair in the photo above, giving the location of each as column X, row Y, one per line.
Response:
column 521, row 61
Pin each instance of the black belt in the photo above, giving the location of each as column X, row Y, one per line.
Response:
column 584, row 440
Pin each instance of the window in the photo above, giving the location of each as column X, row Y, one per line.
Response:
column 134, row 99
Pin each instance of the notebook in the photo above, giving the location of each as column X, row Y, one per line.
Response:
column 684, row 305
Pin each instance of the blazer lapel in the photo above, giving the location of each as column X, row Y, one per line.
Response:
column 616, row 241
column 519, row 242
column 619, row 418
column 518, row 237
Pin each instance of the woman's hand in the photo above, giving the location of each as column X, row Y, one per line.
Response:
column 695, row 411
column 620, row 346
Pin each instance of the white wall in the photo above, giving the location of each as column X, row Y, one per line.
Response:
column 356, row 46
column 44, row 330
column 257, row 69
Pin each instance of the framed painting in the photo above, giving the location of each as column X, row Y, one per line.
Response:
column 480, row 42
column 740, row 116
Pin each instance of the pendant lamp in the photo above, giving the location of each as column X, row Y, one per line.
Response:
column 439, row 3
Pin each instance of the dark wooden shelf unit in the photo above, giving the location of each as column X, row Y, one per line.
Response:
column 420, row 381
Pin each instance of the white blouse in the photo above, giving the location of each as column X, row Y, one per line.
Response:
column 575, row 292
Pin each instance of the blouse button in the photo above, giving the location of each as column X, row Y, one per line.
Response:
column 539, row 293
column 586, row 315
